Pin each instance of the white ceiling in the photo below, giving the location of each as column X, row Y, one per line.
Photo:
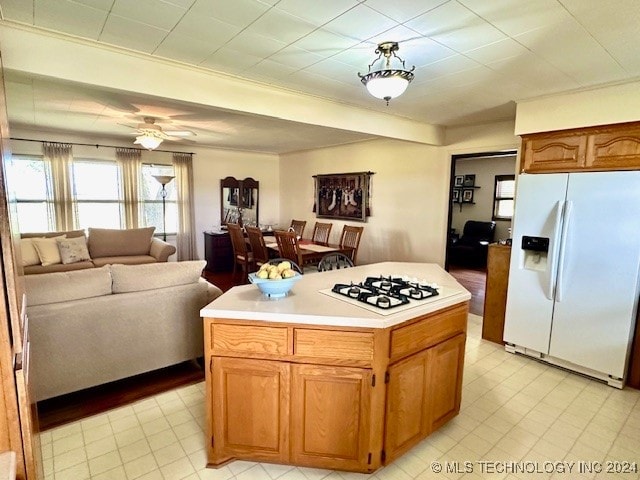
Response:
column 473, row 58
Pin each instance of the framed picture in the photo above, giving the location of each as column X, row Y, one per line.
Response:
column 467, row 196
column 232, row 197
column 469, row 180
column 458, row 181
column 344, row 195
column 456, row 195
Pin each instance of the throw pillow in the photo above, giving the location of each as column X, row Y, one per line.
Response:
column 29, row 254
column 105, row 242
column 73, row 250
column 48, row 250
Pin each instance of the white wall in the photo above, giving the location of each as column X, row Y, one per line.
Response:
column 209, row 167
column 597, row 106
column 410, row 194
column 485, row 169
column 408, row 201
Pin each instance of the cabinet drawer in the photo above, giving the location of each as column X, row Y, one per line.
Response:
column 350, row 347
column 226, row 339
column 429, row 331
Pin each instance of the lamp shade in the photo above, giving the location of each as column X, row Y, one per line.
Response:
column 163, row 179
column 387, row 84
column 148, row 141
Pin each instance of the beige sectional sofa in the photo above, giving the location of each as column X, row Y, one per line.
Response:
column 93, row 326
column 103, row 246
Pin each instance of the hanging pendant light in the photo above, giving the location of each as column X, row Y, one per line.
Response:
column 387, row 82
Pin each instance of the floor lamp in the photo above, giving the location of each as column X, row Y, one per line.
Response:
column 164, row 180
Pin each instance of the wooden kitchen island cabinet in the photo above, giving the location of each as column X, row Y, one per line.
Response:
column 314, row 381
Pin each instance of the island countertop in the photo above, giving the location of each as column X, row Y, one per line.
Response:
column 307, row 304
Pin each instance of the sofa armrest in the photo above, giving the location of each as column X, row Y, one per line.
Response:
column 213, row 292
column 161, row 250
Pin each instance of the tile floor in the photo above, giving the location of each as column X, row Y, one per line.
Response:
column 517, row 416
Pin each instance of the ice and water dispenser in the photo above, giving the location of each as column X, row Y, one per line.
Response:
column 536, row 250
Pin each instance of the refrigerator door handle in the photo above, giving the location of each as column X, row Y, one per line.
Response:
column 568, row 206
column 552, row 260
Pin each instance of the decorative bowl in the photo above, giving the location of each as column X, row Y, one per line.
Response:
column 274, row 288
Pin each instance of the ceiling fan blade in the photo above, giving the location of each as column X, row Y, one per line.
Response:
column 180, row 133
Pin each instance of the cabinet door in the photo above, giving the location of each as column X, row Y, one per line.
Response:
column 444, row 385
column 250, row 409
column 407, row 413
column 554, row 153
column 330, row 417
column 614, row 150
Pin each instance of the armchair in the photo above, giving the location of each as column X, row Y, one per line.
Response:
column 470, row 250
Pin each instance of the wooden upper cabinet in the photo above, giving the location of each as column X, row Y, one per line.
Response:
column 554, row 153
column 602, row 148
column 618, row 150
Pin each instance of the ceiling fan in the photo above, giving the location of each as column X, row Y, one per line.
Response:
column 150, row 134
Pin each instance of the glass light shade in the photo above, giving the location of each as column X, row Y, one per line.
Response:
column 148, row 141
column 387, row 87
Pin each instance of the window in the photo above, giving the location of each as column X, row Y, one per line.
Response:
column 151, row 199
column 97, row 194
column 27, row 180
column 503, row 197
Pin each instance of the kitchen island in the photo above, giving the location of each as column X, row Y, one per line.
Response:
column 316, row 379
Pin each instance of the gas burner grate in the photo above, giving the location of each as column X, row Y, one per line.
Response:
column 386, row 292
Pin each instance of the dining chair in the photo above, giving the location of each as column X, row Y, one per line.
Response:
column 258, row 246
column 351, row 238
column 334, row 261
column 241, row 255
column 298, row 226
column 288, row 246
column 321, row 232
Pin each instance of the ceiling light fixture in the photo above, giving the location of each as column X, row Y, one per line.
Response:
column 387, row 83
column 148, row 140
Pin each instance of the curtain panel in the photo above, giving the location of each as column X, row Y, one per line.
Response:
column 186, row 237
column 59, row 160
column 130, row 164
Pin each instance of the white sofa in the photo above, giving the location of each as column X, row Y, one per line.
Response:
column 93, row 326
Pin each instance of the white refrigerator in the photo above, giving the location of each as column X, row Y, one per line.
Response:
column 575, row 263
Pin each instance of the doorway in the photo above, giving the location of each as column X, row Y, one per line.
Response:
column 475, row 195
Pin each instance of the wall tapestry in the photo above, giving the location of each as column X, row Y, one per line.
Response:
column 343, row 196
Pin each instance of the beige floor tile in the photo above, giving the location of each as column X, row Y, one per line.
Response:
column 135, row 450
column 155, row 426
column 178, row 469
column 69, row 459
column 187, row 429
column 76, row 472
column 169, row 454
column 104, row 463
column 223, row 473
column 140, row 466
column 150, row 414
column 125, row 423
column 95, row 421
column 100, row 447
column 161, row 439
column 129, row 436
column 115, row 474
column 65, row 431
column 97, row 433
column 70, row 442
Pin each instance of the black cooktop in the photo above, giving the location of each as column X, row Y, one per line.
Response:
column 386, row 292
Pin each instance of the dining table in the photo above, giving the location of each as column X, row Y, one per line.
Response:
column 312, row 252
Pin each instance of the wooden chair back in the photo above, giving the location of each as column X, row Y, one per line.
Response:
column 258, row 246
column 334, row 261
column 298, row 226
column 351, row 238
column 288, row 246
column 241, row 255
column 321, row 232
